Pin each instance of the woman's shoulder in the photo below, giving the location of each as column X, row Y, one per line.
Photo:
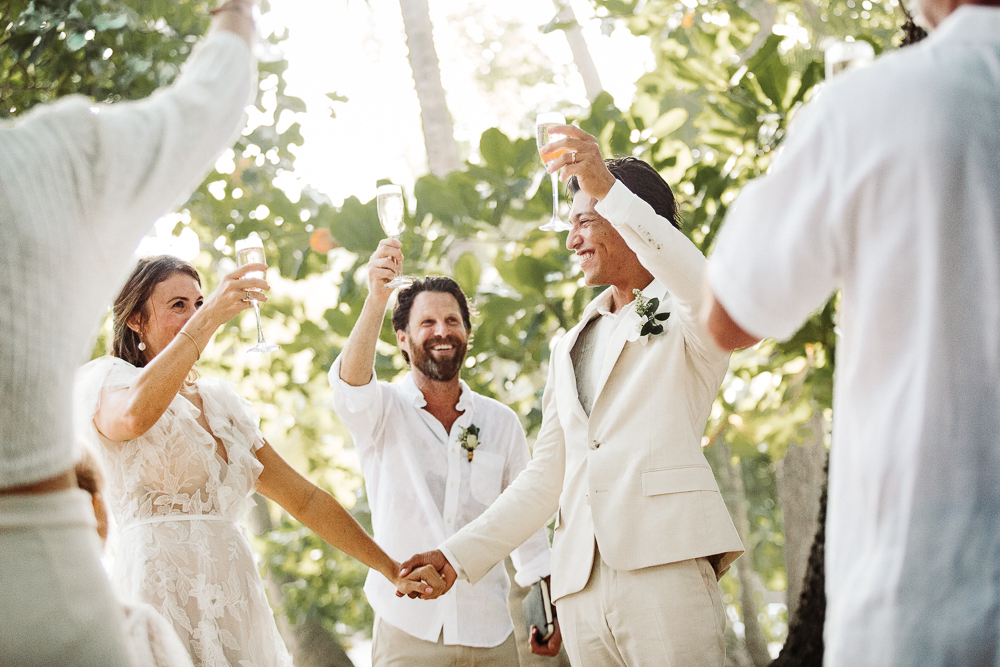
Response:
column 105, row 371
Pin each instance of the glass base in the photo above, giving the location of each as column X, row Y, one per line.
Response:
column 261, row 348
column 556, row 225
column 399, row 281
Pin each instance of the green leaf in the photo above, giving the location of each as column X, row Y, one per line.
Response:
column 110, row 21
column 769, row 71
column 496, row 149
column 669, row 122
column 467, row 272
column 662, row 316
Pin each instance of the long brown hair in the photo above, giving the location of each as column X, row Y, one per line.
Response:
column 134, row 297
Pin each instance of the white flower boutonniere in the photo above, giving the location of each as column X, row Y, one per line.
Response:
column 469, row 439
column 649, row 321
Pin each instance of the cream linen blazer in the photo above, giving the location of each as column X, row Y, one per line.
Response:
column 632, row 475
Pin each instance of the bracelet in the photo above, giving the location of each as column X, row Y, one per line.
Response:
column 196, row 346
column 233, row 5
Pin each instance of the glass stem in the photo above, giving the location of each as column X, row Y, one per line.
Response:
column 555, row 196
column 256, row 310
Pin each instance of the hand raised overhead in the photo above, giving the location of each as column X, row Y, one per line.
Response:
column 434, row 560
column 582, row 159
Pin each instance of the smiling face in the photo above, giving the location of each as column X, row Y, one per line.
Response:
column 435, row 338
column 604, row 256
column 173, row 302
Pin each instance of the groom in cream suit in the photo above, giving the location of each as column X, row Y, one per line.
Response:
column 642, row 533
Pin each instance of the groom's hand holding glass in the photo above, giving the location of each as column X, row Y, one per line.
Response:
column 581, row 157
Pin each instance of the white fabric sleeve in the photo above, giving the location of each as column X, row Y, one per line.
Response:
column 667, row 254
column 522, row 509
column 359, row 408
column 92, row 380
column 776, row 258
column 131, row 161
column 533, row 559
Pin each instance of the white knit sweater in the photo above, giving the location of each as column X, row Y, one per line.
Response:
column 80, row 183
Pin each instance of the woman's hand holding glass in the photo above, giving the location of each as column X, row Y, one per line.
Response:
column 230, row 298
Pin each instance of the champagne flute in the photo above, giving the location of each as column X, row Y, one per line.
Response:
column 543, row 122
column 250, row 251
column 390, row 214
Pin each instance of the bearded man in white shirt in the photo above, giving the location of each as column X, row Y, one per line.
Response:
column 642, row 533
column 435, row 455
column 888, row 188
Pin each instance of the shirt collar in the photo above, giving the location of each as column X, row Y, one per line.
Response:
column 409, row 389
column 602, row 304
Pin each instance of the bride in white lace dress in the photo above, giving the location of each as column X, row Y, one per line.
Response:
column 182, row 458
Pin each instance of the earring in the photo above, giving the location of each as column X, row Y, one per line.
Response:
column 142, row 346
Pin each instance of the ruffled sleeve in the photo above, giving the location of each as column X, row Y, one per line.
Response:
column 92, row 379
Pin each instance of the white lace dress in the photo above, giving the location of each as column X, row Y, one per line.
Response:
column 177, row 504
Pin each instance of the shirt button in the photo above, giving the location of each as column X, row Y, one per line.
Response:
column 594, row 444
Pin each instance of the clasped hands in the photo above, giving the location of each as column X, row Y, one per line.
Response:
column 426, row 576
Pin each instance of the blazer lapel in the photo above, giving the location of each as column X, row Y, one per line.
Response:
column 565, row 368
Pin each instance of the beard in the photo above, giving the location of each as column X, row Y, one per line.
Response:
column 440, row 369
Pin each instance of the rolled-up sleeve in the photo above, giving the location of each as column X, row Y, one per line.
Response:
column 359, row 408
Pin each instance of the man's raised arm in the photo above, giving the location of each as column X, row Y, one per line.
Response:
column 358, row 357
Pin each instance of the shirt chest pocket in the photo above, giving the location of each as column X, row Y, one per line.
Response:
column 486, row 476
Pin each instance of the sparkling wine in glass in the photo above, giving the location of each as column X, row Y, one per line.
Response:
column 390, row 214
column 250, row 251
column 543, row 122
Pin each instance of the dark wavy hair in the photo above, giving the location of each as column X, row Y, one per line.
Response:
column 134, row 298
column 443, row 284
column 643, row 181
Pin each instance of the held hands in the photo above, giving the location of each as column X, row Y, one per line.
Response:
column 582, row 159
column 383, row 266
column 230, row 298
column 434, row 560
column 422, row 582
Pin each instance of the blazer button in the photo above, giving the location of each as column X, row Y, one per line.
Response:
column 594, row 444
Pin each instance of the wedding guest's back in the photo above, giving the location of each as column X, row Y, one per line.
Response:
column 79, row 185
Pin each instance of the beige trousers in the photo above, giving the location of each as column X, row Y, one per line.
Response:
column 56, row 604
column 663, row 616
column 391, row 647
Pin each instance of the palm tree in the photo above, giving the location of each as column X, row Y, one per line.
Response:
column 439, row 131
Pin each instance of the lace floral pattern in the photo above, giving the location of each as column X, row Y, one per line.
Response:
column 177, row 504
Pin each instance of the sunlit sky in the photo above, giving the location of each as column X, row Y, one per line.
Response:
column 358, row 49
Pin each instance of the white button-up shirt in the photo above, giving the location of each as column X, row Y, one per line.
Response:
column 422, row 488
column 889, row 188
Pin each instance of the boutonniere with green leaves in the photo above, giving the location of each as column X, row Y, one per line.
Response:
column 469, row 439
column 649, row 323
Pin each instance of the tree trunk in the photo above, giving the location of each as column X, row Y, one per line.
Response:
column 439, row 132
column 731, row 485
column 578, row 46
column 310, row 643
column 800, row 481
